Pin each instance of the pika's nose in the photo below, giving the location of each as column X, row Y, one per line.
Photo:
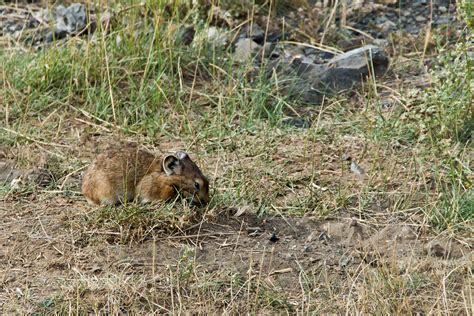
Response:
column 201, row 199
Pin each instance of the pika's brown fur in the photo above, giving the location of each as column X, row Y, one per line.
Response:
column 129, row 173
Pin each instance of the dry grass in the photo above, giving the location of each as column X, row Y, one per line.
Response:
column 410, row 131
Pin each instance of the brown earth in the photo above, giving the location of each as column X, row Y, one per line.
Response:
column 43, row 256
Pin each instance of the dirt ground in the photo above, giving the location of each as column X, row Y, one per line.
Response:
column 43, row 257
column 294, row 225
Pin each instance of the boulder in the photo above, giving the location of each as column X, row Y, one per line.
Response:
column 342, row 72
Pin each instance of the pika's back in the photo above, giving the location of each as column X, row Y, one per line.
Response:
column 114, row 174
column 128, row 158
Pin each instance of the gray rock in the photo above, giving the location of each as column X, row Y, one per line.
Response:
column 254, row 31
column 444, row 3
column 443, row 20
column 18, row 178
column 387, row 26
column 214, row 36
column 298, row 122
column 71, row 19
column 245, row 49
column 420, row 18
column 310, row 82
column 347, row 69
column 186, row 35
column 412, row 29
column 382, row 43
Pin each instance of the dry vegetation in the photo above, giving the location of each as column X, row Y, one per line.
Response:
column 396, row 240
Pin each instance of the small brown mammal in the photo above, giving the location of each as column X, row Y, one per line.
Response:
column 129, row 173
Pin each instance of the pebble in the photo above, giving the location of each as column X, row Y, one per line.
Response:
column 420, row 18
column 308, row 248
column 298, row 122
column 387, row 26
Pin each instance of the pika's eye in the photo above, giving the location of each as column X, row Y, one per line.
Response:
column 197, row 186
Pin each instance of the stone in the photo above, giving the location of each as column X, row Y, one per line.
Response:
column 347, row 69
column 445, row 249
column 420, row 18
column 412, row 29
column 382, row 43
column 253, row 31
column 18, row 178
column 186, row 35
column 55, row 35
column 216, row 36
column 276, row 36
column 269, row 50
column 353, row 43
column 387, row 26
column 443, row 20
column 71, row 19
column 310, row 82
column 444, row 3
column 245, row 49
column 298, row 122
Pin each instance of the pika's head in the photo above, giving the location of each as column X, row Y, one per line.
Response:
column 190, row 182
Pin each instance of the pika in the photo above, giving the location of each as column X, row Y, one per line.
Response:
column 130, row 173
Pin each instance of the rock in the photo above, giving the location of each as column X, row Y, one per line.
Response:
column 216, row 36
column 274, row 238
column 380, row 19
column 276, row 36
column 412, row 29
column 444, row 3
column 245, row 49
column 353, row 43
column 344, row 261
column 342, row 72
column 443, row 20
column 444, row 249
column 8, row 172
column 348, row 68
column 71, row 19
column 327, row 55
column 269, row 50
column 18, row 178
column 186, row 35
column 298, row 122
column 420, row 18
column 359, row 59
column 382, row 43
column 387, row 26
column 323, row 237
column 356, row 169
column 355, row 234
column 42, row 15
column 253, row 31
column 55, row 35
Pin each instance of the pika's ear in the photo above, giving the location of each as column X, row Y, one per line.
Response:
column 172, row 165
column 181, row 155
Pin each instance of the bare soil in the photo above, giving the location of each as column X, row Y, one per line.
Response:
column 43, row 256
